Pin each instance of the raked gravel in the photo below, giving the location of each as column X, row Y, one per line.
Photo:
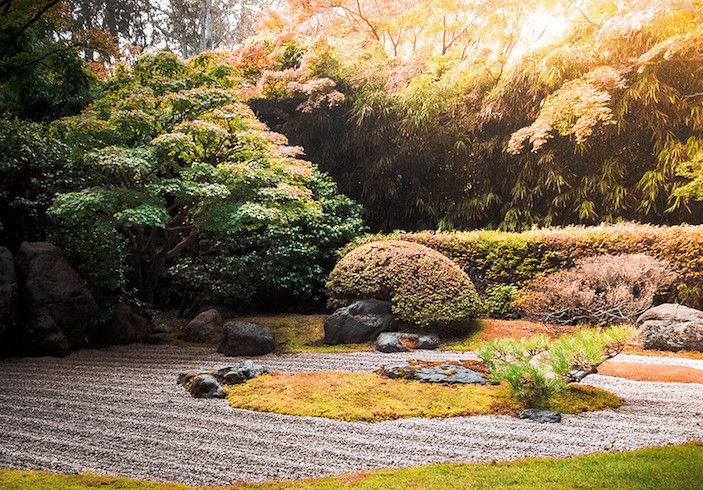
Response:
column 119, row 411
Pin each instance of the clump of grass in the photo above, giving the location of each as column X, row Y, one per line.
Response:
column 368, row 397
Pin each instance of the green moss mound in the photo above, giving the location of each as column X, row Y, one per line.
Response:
column 425, row 287
column 370, row 398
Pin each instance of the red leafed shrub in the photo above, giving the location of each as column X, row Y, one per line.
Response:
column 601, row 290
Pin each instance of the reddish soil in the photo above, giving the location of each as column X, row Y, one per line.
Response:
column 651, row 372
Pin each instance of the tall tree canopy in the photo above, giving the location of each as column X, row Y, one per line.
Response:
column 507, row 127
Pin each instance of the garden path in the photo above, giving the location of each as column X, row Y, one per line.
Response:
column 120, row 411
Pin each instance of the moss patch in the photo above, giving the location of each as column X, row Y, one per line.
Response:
column 582, row 398
column 371, row 398
column 301, row 333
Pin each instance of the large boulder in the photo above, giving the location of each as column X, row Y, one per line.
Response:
column 405, row 342
column 246, row 339
column 206, row 328
column 126, row 327
column 671, row 327
column 8, row 298
column 58, row 309
column 359, row 322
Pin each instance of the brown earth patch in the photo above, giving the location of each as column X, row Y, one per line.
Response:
column 651, row 372
column 520, row 329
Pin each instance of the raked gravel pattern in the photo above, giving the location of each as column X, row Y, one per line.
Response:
column 119, row 411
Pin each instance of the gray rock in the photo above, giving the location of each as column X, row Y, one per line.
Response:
column 58, row 308
column 206, row 328
column 404, row 342
column 126, row 327
column 671, row 327
column 8, row 299
column 205, row 386
column 359, row 322
column 233, row 375
column 246, row 339
column 447, row 372
column 541, row 416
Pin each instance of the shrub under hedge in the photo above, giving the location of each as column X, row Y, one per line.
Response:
column 491, row 257
column 424, row 287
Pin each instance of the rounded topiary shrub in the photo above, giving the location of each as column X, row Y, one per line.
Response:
column 425, row 287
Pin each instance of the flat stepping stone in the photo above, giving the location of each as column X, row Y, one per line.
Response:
column 455, row 372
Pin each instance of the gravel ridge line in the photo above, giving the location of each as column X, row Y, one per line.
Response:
column 119, row 411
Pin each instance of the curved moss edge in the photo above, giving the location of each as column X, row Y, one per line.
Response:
column 367, row 397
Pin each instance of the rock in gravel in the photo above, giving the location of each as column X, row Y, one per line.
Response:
column 541, row 416
column 57, row 306
column 126, row 327
column 209, row 384
column 233, row 375
column 671, row 327
column 205, row 386
column 206, row 328
column 246, row 339
column 405, row 342
column 453, row 372
column 359, row 322
column 8, row 298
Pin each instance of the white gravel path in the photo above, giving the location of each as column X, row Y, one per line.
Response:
column 119, row 411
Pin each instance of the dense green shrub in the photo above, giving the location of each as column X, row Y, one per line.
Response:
column 424, row 286
column 493, row 257
column 600, row 290
column 290, row 262
column 31, row 172
column 499, row 301
column 187, row 185
column 537, row 369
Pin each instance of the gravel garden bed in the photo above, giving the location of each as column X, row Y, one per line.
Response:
column 119, row 411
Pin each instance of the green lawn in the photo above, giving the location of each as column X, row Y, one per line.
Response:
column 670, row 468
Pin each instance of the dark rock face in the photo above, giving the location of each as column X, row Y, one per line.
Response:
column 404, row 342
column 126, row 327
column 541, row 416
column 58, row 307
column 453, row 372
column 234, row 375
column 205, row 386
column 359, row 322
column 8, row 299
column 671, row 327
column 206, row 328
column 246, row 339
column 209, row 385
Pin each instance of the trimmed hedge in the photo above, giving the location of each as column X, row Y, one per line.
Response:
column 424, row 287
column 492, row 258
